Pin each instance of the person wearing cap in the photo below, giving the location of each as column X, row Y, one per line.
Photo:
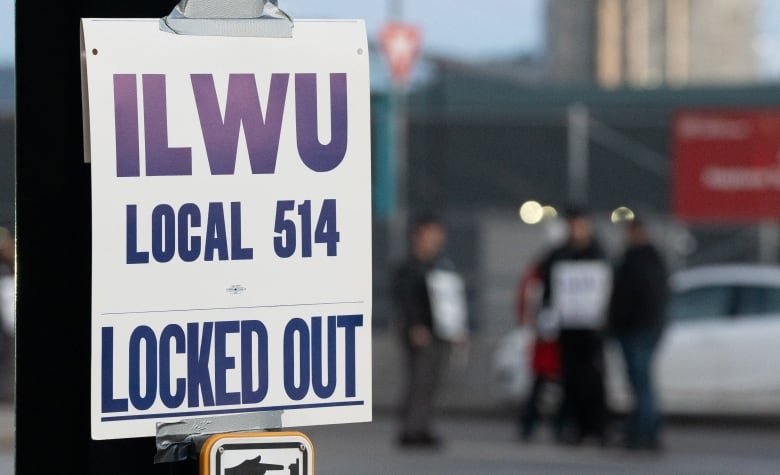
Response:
column 577, row 280
column 637, row 316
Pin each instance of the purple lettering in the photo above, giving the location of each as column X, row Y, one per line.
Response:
column 316, row 156
column 220, row 131
column 161, row 160
column 220, row 135
column 126, row 125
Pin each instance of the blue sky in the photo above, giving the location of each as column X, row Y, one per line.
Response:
column 6, row 31
column 449, row 26
column 768, row 44
column 456, row 27
column 460, row 28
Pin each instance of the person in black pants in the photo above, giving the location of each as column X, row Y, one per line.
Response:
column 426, row 351
column 637, row 318
column 576, row 280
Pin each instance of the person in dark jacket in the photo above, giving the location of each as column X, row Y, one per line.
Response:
column 576, row 279
column 637, row 318
column 425, row 347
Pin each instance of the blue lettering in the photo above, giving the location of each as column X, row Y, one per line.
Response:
column 189, row 247
column 222, row 363
column 236, row 251
column 163, row 233
column 216, row 236
column 108, row 402
column 146, row 335
column 198, row 376
column 249, row 330
column 349, row 323
column 175, row 333
column 171, row 229
column 322, row 390
column 310, row 362
column 296, row 392
column 133, row 256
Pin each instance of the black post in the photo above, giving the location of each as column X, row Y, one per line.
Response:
column 54, row 249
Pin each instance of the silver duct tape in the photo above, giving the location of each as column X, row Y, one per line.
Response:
column 182, row 440
column 254, row 18
column 254, row 27
column 222, row 8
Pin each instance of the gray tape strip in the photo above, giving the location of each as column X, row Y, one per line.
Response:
column 258, row 18
column 182, row 440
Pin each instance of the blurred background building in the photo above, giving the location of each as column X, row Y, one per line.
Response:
column 7, row 164
column 589, row 117
column 643, row 44
column 648, row 43
column 571, row 58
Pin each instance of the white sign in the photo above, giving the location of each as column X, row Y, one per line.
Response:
column 448, row 304
column 580, row 293
column 284, row 453
column 231, row 225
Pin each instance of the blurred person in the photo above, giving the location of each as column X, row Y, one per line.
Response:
column 637, row 317
column 577, row 281
column 545, row 357
column 431, row 313
column 7, row 312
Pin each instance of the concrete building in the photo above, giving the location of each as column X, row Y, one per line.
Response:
column 571, row 53
column 647, row 43
column 722, row 37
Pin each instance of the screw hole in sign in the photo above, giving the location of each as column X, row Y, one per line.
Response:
column 401, row 45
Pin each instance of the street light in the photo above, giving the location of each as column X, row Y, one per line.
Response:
column 622, row 214
column 531, row 212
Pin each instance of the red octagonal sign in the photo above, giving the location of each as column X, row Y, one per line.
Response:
column 401, row 44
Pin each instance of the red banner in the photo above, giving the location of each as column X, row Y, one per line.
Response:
column 726, row 165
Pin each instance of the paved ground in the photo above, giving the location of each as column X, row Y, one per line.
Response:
column 6, row 439
column 487, row 445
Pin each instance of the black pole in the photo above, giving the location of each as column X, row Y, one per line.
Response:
column 54, row 249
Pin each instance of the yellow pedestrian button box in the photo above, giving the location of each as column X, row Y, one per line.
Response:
column 257, row 453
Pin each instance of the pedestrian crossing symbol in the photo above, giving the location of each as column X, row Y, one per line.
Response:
column 257, row 453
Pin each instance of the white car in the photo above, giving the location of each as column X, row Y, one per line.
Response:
column 720, row 353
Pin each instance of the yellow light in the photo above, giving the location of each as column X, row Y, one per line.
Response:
column 621, row 214
column 531, row 212
column 549, row 212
